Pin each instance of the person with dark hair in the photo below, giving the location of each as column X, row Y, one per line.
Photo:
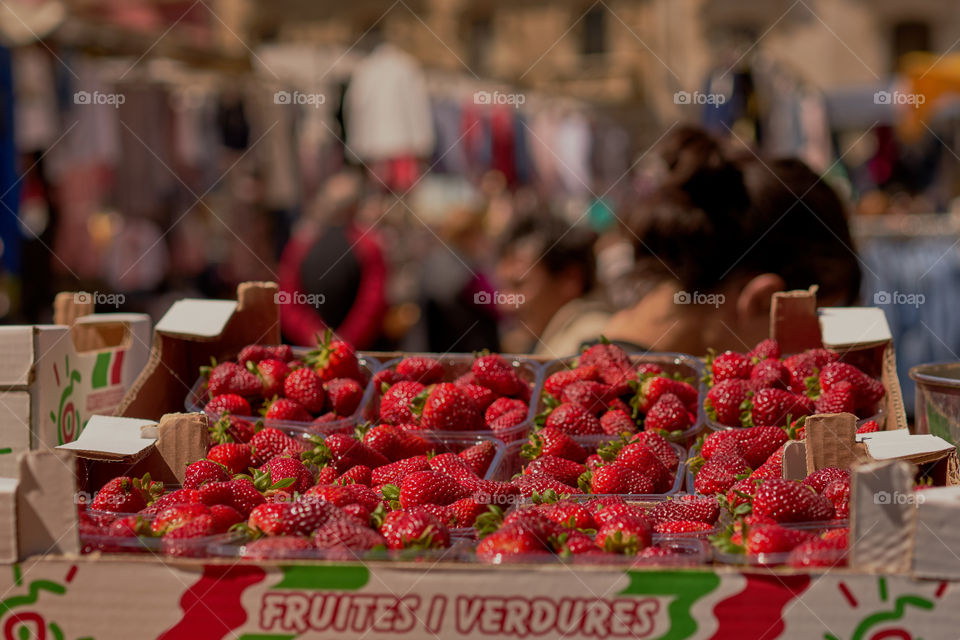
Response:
column 715, row 239
column 546, row 270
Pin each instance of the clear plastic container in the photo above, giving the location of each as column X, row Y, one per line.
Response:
column 456, row 551
column 456, row 365
column 190, row 548
column 781, row 558
column 687, row 553
column 197, row 398
column 673, row 363
column 512, row 462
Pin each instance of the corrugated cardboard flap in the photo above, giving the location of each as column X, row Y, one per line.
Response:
column 16, row 355
column 845, row 327
column 46, row 503
column 900, row 444
column 113, row 439
column 793, row 320
column 937, row 537
column 8, row 520
column 831, row 441
column 882, row 516
column 200, row 319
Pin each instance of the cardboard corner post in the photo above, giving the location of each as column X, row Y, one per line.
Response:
column 8, row 520
column 937, row 538
column 46, row 504
column 181, row 438
column 793, row 320
column 883, row 516
column 831, row 441
column 189, row 335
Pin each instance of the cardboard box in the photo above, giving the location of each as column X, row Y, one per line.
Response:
column 54, row 377
column 192, row 332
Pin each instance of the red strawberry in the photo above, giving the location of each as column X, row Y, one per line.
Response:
column 182, row 540
column 838, row 493
column 245, row 496
column 495, row 373
column 592, row 396
column 867, row 391
column 360, row 474
column 772, row 406
column 719, row 473
column 257, row 352
column 615, row 507
column 516, row 539
column 414, row 529
column 839, row 399
column 334, row 359
column 626, row 534
column 681, row 526
column 343, row 395
column 502, row 406
column 557, row 382
column 667, row 415
column 305, row 386
column 177, row 516
column 819, row 479
column 731, row 365
column 611, row 361
column 395, row 443
column 306, row 516
column 551, row 441
column 344, row 451
column 268, row 443
column 203, row 471
column 566, row 471
column 641, row 458
column 395, row 472
column 805, row 365
column 215, row 493
column 570, row 514
column 479, row 456
column 396, row 401
column 231, row 429
column 420, row 368
column 224, row 517
column 126, row 527
column 481, row 396
column 772, row 538
column 230, row 377
column 759, row 443
column 429, row 487
column 870, row 426
column 228, row 403
column 282, row 468
column 617, row 421
column 573, row 419
column 176, row 497
column 235, row 457
column 466, row 510
column 618, row 478
column 451, row 465
column 769, row 374
column 504, row 427
column 647, row 369
column 386, row 378
column 120, row 495
column 790, row 501
column 652, row 388
column 819, row 553
column 772, row 468
column 726, row 441
column 345, row 535
column 698, row 508
column 271, row 373
column 277, row 548
column 724, row 399
column 287, row 410
column 529, row 484
column 765, row 350
column 448, row 408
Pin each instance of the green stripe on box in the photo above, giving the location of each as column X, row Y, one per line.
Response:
column 686, row 587
column 100, row 370
column 339, row 577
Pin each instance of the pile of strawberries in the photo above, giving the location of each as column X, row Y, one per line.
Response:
column 490, row 396
column 326, row 385
column 607, row 393
column 763, row 388
column 594, row 528
column 338, row 496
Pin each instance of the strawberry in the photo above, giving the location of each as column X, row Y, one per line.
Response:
column 333, row 359
column 360, row 474
column 772, row 468
column 565, row 471
column 724, row 400
column 790, row 501
column 495, row 373
column 244, row 495
column 502, row 406
column 271, row 373
column 466, row 510
column 177, row 516
column 617, row 421
column 731, row 365
column 257, row 352
column 557, row 382
column 343, row 395
column 697, row 508
column 667, row 415
column 268, row 443
column 611, row 361
column 224, row 517
column 768, row 374
column 551, row 441
column 286, row 410
column 414, row 529
column 305, row 386
column 126, row 495
column 866, row 391
column 230, row 428
column 719, row 473
column 395, row 402
column 726, row 441
column 481, row 396
column 421, row 369
column 451, row 465
column 271, row 518
column 516, row 539
column 128, row 527
column 613, row 510
column 395, row 472
column 819, row 553
column 230, row 377
column 282, row 468
column 228, row 403
column 805, row 365
column 203, row 471
column 275, row 548
column 572, row 515
column 772, row 538
column 870, row 426
column 772, row 406
column 627, row 534
column 429, row 487
column 182, row 540
column 344, row 495
column 341, row 535
column 448, row 408
column 618, row 478
column 176, row 497
column 759, row 443
column 386, row 378
column 839, row 399
column 647, row 369
column 530, row 484
column 574, row 420
column 306, row 516
column 442, row 513
column 394, row 443
column 479, row 456
column 652, row 388
column 681, row 526
column 641, row 458
column 344, row 452
column 660, row 446
column 766, row 350
column 819, row 479
column 592, row 396
column 838, row 493
column 504, row 426
column 235, row 457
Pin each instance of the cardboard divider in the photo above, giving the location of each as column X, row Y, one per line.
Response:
column 882, row 518
column 793, row 320
column 831, row 441
column 70, row 305
column 46, row 504
column 190, row 334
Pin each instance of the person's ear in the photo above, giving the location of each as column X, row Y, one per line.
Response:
column 754, row 299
